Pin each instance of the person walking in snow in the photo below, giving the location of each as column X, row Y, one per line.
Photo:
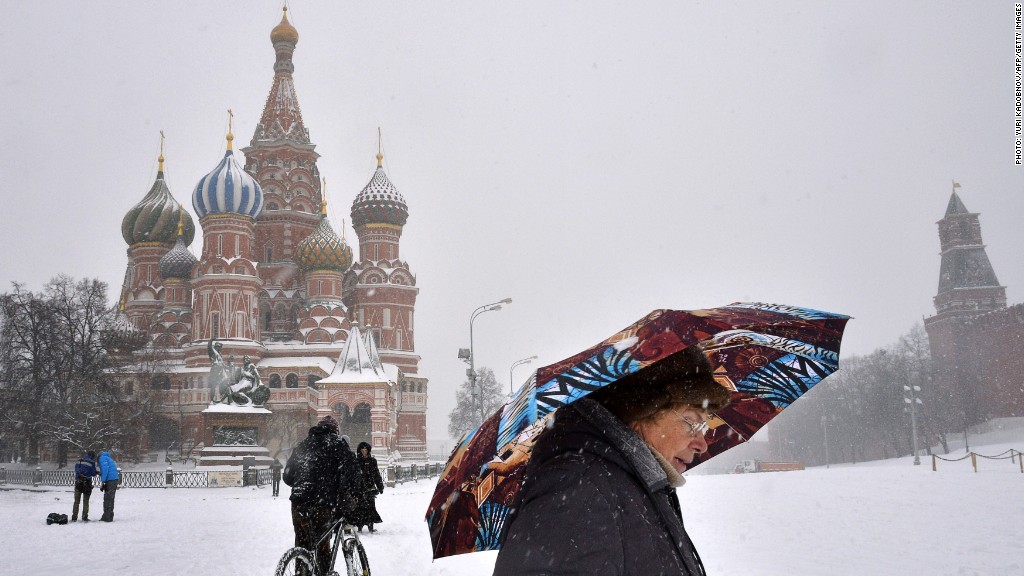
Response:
column 322, row 473
column 599, row 492
column 275, row 477
column 371, row 484
column 110, row 480
column 85, row 470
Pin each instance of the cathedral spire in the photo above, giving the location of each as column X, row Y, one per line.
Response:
column 282, row 118
column 160, row 159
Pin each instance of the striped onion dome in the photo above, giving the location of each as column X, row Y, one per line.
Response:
column 178, row 261
column 228, row 189
column 323, row 250
column 155, row 218
column 379, row 202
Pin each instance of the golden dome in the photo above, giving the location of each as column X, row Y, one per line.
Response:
column 284, row 32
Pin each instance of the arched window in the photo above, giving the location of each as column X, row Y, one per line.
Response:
column 311, row 380
column 291, row 381
column 275, row 380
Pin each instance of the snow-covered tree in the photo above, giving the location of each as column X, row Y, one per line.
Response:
column 472, row 401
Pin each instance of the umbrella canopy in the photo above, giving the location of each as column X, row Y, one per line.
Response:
column 767, row 355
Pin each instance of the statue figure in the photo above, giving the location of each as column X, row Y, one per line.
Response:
column 250, row 385
column 220, row 373
column 232, row 384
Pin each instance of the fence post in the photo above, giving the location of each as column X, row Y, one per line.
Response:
column 933, row 463
column 3, row 475
column 169, row 477
column 974, row 461
column 1020, row 460
column 415, row 473
column 37, row 476
column 392, row 479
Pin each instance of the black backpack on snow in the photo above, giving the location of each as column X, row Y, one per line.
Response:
column 54, row 518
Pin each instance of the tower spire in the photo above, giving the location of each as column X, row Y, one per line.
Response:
column 380, row 149
column 323, row 198
column 231, row 116
column 160, row 159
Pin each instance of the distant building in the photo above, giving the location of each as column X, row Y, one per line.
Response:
column 276, row 283
column 977, row 342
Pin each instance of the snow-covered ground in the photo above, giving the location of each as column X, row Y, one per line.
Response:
column 874, row 518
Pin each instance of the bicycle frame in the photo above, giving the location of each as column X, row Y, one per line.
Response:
column 342, row 534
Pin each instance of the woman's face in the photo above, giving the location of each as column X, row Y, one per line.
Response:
column 671, row 435
column 364, row 452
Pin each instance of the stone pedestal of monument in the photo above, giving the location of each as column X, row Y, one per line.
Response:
column 232, row 432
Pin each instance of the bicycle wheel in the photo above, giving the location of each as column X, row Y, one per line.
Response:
column 295, row 562
column 355, row 559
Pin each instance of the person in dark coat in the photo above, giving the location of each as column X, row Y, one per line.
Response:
column 85, row 470
column 275, row 476
column 599, row 492
column 371, row 484
column 110, row 480
column 323, row 475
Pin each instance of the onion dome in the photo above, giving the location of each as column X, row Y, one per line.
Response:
column 155, row 218
column 379, row 202
column 284, row 32
column 120, row 335
column 322, row 249
column 178, row 261
column 228, row 189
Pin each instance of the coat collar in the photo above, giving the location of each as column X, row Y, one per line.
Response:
column 629, row 443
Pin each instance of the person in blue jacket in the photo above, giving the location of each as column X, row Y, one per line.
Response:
column 110, row 479
column 85, row 469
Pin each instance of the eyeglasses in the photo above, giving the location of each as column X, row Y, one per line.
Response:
column 696, row 428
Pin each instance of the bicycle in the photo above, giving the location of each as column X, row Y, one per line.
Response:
column 298, row 560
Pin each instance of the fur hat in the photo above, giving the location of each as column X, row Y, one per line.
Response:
column 330, row 423
column 683, row 379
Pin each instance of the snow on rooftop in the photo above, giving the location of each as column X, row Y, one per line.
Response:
column 234, row 409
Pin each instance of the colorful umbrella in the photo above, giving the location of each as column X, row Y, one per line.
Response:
column 768, row 355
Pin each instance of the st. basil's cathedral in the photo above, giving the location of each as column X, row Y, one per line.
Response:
column 277, row 284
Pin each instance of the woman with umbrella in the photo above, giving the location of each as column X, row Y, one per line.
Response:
column 599, row 493
column 365, row 513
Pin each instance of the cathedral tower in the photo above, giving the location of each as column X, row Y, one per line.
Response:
column 228, row 201
column 150, row 228
column 323, row 258
column 381, row 286
column 283, row 161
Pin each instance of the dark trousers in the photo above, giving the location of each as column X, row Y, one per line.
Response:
column 108, row 500
column 84, row 498
column 310, row 523
column 276, row 484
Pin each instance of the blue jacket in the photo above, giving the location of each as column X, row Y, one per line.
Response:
column 108, row 468
column 85, row 468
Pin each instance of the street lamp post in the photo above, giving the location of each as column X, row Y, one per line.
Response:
column 913, row 401
column 493, row 306
column 510, row 370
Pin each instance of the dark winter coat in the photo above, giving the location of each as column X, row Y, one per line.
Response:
column 371, row 484
column 108, row 468
column 595, row 500
column 85, row 469
column 322, row 471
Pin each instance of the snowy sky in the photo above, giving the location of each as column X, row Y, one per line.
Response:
column 591, row 160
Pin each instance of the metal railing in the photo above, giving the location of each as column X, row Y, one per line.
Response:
column 400, row 474
column 392, row 474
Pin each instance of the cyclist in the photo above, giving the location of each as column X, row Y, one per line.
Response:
column 323, row 474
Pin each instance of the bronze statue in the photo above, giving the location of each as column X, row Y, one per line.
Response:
column 234, row 384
